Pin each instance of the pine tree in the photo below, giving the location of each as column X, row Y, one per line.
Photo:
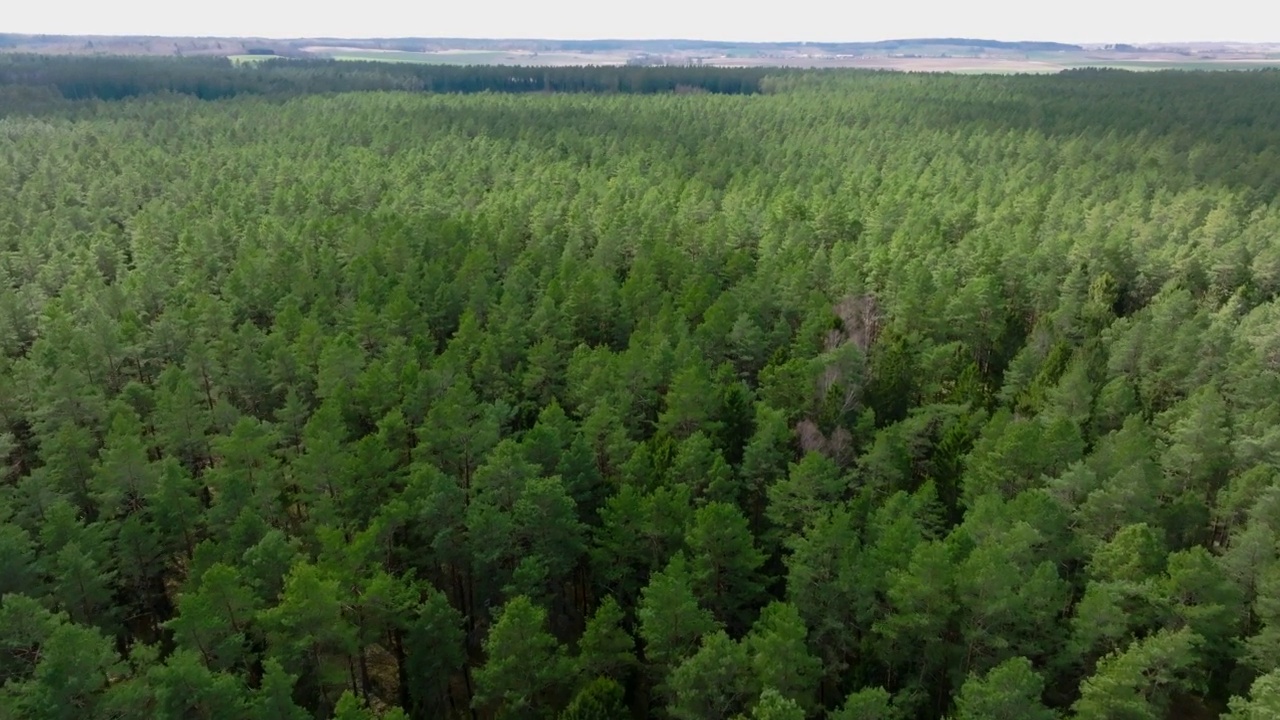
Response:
column 523, row 663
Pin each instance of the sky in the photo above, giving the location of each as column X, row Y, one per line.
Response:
column 1077, row 21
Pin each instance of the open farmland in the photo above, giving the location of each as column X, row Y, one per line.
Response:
column 920, row 55
column 469, row 57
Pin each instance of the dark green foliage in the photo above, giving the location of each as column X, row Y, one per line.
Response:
column 118, row 78
column 606, row 649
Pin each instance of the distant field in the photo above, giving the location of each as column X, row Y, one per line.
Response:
column 246, row 59
column 1184, row 65
column 468, row 57
column 1031, row 63
column 1038, row 63
column 952, row 55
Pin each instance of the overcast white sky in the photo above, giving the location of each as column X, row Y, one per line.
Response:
column 816, row 20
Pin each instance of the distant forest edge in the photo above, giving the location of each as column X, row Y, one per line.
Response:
column 31, row 83
column 208, row 78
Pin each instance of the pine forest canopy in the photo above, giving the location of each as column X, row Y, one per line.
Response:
column 367, row 391
column 208, row 78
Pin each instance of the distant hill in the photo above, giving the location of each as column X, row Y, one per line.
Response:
column 1019, row 46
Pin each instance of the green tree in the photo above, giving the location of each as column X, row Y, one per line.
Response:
column 867, row 704
column 458, row 432
column 1123, row 597
column 124, row 477
column 764, row 459
column 772, row 705
column 186, row 688
column 434, row 648
column 713, row 683
column 690, row 404
column 59, row 670
column 1206, row 601
column 1011, row 690
column 1010, row 595
column 215, row 618
column 915, row 636
column 1263, row 701
column 1139, row 681
column 724, row 563
column 779, row 656
column 601, row 699
column 273, row 700
column 78, row 565
column 17, row 561
column 308, row 633
column 671, row 620
column 699, row 466
column 813, row 483
column 638, row 533
column 523, row 663
column 606, row 649
column 825, row 582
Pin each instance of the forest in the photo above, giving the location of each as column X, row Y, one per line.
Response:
column 213, row 78
column 853, row 396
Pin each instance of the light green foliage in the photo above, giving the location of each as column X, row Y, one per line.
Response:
column 1139, row 681
column 772, row 705
column 601, row 699
column 1263, row 648
column 349, row 707
column 1204, row 599
column 17, row 556
column 1123, row 595
column 714, row 683
column 185, row 688
column 1135, row 554
column 1010, row 691
column 1263, row 702
column 923, row 608
column 215, row 617
column 698, row 466
column 639, row 532
column 867, row 704
column 1012, row 454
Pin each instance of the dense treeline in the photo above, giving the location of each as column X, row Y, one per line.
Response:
column 210, row 78
column 872, row 396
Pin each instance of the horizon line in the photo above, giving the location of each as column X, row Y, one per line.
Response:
column 625, row 39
